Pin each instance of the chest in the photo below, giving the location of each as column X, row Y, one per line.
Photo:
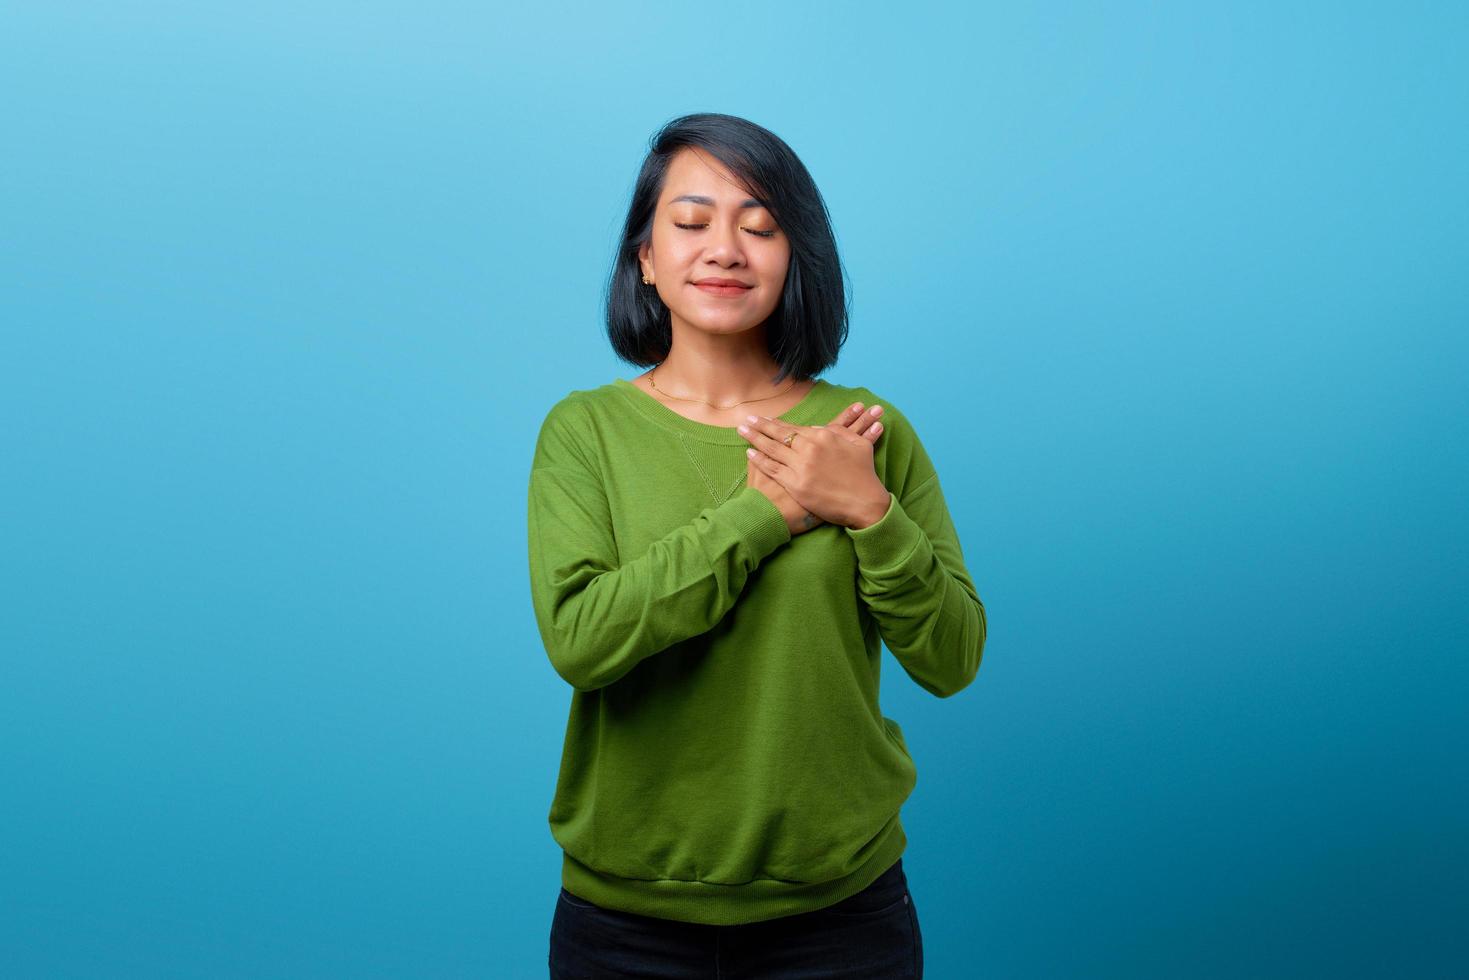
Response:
column 661, row 482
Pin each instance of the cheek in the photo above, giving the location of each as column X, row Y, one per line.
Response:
column 772, row 293
column 773, row 268
column 667, row 247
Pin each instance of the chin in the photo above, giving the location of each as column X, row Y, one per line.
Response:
column 723, row 324
column 725, row 329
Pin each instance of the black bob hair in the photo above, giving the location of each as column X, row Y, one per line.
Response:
column 807, row 328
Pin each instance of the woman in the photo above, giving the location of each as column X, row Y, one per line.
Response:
column 718, row 549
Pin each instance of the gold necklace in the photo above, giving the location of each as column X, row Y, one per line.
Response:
column 711, row 404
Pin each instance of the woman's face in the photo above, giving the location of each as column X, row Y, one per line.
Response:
column 706, row 226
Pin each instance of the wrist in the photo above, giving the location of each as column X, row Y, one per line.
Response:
column 875, row 511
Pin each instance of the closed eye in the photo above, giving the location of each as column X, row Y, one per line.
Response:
column 762, row 234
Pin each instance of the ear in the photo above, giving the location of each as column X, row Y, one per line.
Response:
column 645, row 258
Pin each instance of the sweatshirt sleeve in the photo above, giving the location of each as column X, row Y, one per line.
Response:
column 911, row 575
column 600, row 613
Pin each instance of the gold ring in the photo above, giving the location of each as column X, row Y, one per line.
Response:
column 789, row 439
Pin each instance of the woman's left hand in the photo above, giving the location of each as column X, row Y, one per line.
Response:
column 827, row 469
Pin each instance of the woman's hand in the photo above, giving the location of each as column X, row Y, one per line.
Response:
column 827, row 470
column 798, row 519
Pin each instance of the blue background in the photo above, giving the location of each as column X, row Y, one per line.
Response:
column 1174, row 293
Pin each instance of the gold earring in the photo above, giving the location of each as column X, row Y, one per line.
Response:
column 647, row 281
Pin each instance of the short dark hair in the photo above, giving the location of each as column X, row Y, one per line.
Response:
column 807, row 328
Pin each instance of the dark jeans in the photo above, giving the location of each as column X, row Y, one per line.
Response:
column 873, row 935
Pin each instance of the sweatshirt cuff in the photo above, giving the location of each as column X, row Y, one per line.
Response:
column 889, row 540
column 759, row 520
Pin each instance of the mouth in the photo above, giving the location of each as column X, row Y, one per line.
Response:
column 723, row 287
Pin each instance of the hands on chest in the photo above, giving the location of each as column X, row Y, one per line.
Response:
column 818, row 473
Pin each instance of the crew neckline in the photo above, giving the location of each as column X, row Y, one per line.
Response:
column 660, row 413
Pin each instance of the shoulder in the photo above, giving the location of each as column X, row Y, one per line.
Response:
column 574, row 410
column 903, row 459
column 894, row 419
column 568, row 428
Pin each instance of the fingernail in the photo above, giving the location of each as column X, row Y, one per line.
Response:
column 743, row 428
column 876, row 409
column 877, row 427
column 750, row 453
column 857, row 407
column 752, row 418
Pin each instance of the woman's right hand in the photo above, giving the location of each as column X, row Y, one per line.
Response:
column 798, row 518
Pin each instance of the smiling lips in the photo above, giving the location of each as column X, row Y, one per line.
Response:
column 723, row 287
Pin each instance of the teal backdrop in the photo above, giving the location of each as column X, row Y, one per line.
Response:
column 1174, row 293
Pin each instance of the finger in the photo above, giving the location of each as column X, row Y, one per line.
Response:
column 855, row 420
column 770, row 467
column 847, row 415
column 866, row 420
column 767, row 435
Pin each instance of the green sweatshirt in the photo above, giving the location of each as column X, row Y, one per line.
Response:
column 725, row 758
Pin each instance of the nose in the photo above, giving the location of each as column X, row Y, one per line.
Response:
column 724, row 248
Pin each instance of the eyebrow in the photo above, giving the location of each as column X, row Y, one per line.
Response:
column 748, row 202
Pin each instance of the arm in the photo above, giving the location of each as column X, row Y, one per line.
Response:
column 598, row 615
column 911, row 574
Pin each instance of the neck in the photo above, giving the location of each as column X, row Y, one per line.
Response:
column 720, row 368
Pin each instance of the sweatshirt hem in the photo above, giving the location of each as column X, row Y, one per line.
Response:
column 715, row 904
